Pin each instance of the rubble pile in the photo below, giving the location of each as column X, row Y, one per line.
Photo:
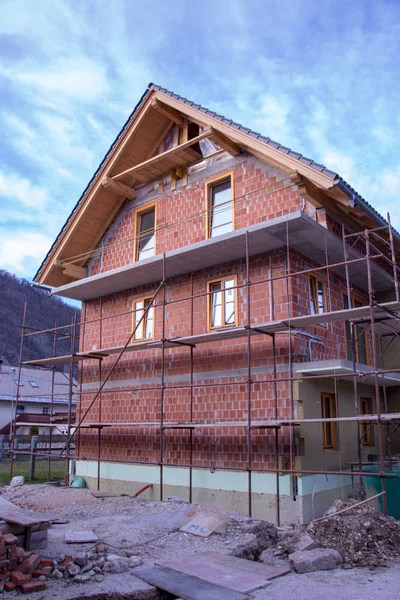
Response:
column 29, row 572
column 363, row 536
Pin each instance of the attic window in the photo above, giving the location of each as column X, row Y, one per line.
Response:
column 33, row 383
column 20, row 383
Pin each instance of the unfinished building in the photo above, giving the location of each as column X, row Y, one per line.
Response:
column 239, row 321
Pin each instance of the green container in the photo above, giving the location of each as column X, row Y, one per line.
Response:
column 373, row 486
column 78, row 482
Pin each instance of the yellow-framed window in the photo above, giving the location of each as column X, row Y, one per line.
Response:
column 219, row 208
column 329, row 429
column 365, row 426
column 145, row 232
column 317, row 294
column 143, row 329
column 222, row 302
column 360, row 333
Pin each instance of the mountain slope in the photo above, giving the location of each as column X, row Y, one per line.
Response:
column 43, row 312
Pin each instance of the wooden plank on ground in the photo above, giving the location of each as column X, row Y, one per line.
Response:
column 20, row 516
column 80, row 537
column 227, row 571
column 185, row 586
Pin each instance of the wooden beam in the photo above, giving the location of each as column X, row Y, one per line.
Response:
column 74, row 271
column 226, row 143
column 118, row 187
column 167, row 111
column 168, row 154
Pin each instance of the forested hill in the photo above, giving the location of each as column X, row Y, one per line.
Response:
column 42, row 313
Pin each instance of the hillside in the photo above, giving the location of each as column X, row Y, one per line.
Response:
column 42, row 313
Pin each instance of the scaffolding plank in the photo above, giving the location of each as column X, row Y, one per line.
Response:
column 20, row 516
column 185, row 586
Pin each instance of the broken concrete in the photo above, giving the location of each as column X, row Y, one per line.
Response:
column 319, row 559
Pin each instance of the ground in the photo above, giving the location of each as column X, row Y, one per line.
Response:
column 21, row 467
column 151, row 530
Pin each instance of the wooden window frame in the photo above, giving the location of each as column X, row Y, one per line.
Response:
column 317, row 278
column 138, row 212
column 363, row 302
column 331, row 425
column 209, row 185
column 366, row 431
column 209, row 303
column 144, row 321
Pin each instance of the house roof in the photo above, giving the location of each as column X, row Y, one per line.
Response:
column 336, row 179
column 35, row 385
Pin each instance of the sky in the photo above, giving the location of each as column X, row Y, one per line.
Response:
column 320, row 76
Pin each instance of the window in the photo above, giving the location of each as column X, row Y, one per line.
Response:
column 222, row 303
column 359, row 334
column 20, row 383
column 365, row 426
column 145, row 232
column 144, row 331
column 20, row 409
column 33, row 383
column 219, row 206
column 317, row 295
column 45, row 410
column 329, row 429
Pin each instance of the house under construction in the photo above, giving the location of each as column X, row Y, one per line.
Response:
column 240, row 321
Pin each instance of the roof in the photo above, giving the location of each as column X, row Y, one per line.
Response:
column 35, row 385
column 335, row 177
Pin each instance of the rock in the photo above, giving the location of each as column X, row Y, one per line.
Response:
column 116, row 564
column 250, row 550
column 73, row 569
column 319, row 559
column 97, row 570
column 265, row 532
column 88, row 567
column 82, row 578
column 81, row 559
column 17, row 481
column 56, row 574
column 42, row 578
column 135, row 561
column 99, row 578
column 269, row 557
column 300, row 543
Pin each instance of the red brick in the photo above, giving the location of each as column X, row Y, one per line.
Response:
column 33, row 586
column 10, row 586
column 29, row 564
column 20, row 578
column 10, row 539
column 45, row 562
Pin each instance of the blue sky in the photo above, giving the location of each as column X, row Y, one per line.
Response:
column 321, row 76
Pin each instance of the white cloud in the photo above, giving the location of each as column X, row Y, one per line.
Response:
column 18, row 189
column 20, row 248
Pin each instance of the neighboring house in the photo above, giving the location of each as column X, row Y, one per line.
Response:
column 34, row 404
column 204, row 241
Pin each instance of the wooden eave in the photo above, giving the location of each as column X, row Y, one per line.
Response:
column 131, row 162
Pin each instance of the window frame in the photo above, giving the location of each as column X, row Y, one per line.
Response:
column 331, row 425
column 45, row 410
column 144, row 322
column 20, row 409
column 366, row 431
column 142, row 210
column 363, row 302
column 315, row 299
column 33, row 383
column 211, row 327
column 210, row 184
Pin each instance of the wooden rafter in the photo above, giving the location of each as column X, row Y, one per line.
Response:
column 152, row 162
column 74, row 271
column 226, row 143
column 118, row 187
column 167, row 111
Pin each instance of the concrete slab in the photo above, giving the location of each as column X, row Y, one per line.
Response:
column 305, row 236
column 342, row 367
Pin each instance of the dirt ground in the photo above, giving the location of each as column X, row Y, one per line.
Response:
column 150, row 530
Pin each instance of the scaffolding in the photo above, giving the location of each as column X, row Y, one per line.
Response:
column 382, row 319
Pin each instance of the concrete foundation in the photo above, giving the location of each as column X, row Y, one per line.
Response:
column 222, row 489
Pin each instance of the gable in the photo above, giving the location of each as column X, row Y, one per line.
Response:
column 133, row 161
